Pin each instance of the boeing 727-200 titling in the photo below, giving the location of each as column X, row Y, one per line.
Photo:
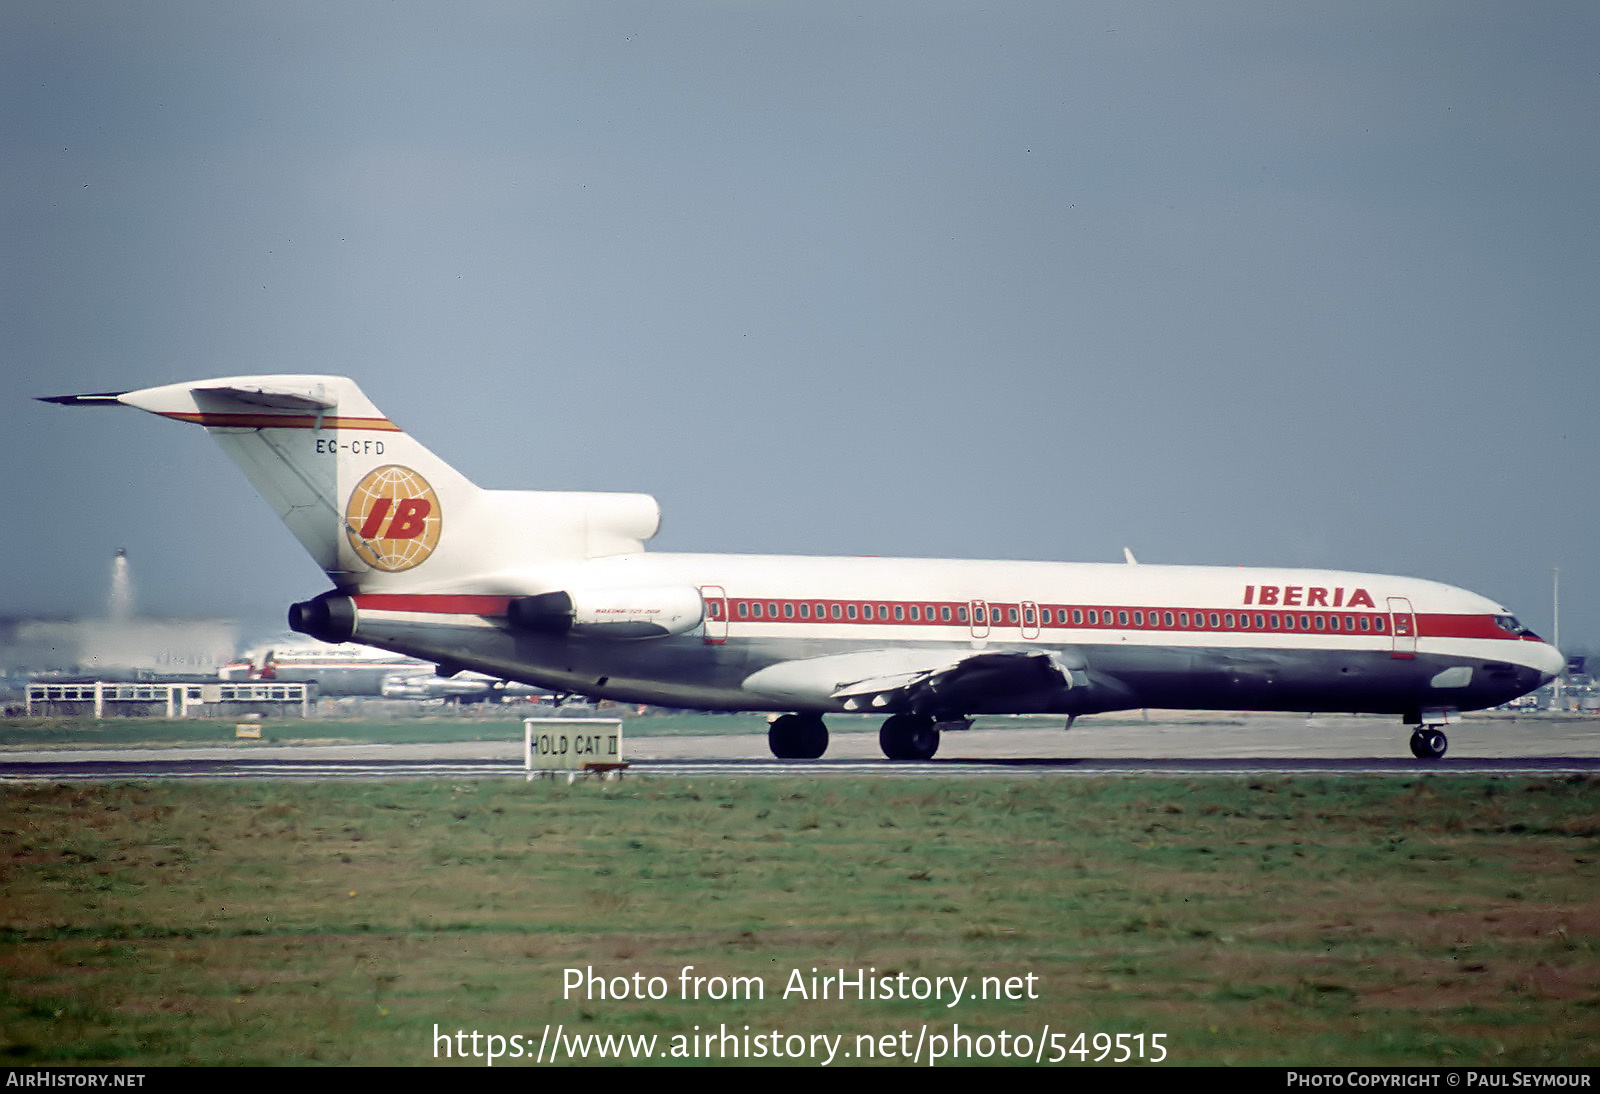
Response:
column 556, row 590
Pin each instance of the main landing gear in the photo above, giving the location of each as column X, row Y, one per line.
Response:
column 908, row 737
column 903, row 736
column 797, row 736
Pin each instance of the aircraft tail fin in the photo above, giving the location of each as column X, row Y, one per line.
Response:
column 375, row 508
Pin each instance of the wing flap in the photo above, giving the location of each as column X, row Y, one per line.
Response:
column 922, row 680
column 819, row 680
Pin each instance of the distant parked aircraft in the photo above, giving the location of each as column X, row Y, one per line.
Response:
column 336, row 668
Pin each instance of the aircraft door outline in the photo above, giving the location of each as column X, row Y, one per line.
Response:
column 1403, row 626
column 978, row 611
column 716, row 619
column 1030, row 619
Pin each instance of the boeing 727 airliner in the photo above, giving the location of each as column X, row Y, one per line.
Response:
column 556, row 590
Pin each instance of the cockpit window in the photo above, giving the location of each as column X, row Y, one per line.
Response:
column 1509, row 624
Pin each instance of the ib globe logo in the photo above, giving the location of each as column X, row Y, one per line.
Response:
column 393, row 518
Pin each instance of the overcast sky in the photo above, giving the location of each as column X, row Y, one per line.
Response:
column 1311, row 284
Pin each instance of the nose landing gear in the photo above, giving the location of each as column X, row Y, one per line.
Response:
column 1428, row 743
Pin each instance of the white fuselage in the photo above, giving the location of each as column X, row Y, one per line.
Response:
column 1173, row 636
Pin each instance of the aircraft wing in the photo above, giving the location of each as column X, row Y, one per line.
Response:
column 921, row 680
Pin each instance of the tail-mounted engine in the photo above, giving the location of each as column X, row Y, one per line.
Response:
column 330, row 617
column 609, row 613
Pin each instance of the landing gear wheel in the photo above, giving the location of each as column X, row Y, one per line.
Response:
column 1428, row 743
column 797, row 736
column 908, row 737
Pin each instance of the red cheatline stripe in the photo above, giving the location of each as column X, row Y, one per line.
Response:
column 1461, row 626
column 1116, row 617
column 1431, row 625
column 284, row 421
column 434, row 603
column 1001, row 615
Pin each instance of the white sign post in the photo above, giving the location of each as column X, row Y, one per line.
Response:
column 576, row 746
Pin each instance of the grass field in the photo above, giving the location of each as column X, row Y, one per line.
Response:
column 1430, row 920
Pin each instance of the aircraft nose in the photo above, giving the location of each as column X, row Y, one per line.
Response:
column 1549, row 662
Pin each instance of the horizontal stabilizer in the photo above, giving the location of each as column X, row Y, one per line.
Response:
column 279, row 398
column 309, row 394
column 104, row 398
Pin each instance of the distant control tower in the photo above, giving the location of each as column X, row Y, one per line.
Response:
column 121, row 603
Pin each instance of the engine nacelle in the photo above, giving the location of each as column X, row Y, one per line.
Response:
column 330, row 617
column 610, row 613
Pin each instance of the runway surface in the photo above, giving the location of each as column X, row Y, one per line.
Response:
column 322, row 769
column 1243, row 746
